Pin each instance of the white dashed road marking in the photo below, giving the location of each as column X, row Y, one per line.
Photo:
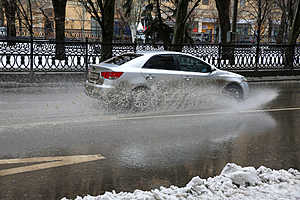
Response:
column 51, row 162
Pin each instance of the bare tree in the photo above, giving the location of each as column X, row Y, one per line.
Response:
column 10, row 9
column 288, row 10
column 295, row 28
column 178, row 11
column 182, row 17
column 24, row 10
column 223, row 11
column 130, row 13
column 103, row 12
column 28, row 13
column 293, row 36
column 42, row 6
column 1, row 14
column 227, row 52
column 157, row 28
column 59, row 7
column 258, row 11
column 283, row 21
column 234, row 20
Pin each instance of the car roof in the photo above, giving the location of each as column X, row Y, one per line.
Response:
column 152, row 53
column 139, row 61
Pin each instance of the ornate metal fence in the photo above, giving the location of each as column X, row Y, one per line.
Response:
column 39, row 55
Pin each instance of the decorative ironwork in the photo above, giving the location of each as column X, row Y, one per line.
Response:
column 40, row 55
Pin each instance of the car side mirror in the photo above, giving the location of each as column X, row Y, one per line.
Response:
column 212, row 69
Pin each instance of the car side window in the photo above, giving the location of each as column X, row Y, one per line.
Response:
column 163, row 61
column 190, row 64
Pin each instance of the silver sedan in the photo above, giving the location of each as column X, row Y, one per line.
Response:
column 140, row 81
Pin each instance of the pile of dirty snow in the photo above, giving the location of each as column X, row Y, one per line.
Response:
column 234, row 182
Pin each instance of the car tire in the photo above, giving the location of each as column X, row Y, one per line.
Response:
column 117, row 101
column 233, row 91
column 143, row 99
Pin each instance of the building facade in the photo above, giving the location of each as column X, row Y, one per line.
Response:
column 203, row 23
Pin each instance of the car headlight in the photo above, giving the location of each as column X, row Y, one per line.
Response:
column 244, row 79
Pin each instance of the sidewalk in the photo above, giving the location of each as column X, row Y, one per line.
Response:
column 273, row 78
column 13, row 80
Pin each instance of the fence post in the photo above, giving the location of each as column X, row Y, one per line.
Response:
column 219, row 55
column 257, row 55
column 292, row 55
column 86, row 59
column 31, row 59
column 134, row 46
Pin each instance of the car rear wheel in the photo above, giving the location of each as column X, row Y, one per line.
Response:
column 233, row 91
column 118, row 101
column 143, row 99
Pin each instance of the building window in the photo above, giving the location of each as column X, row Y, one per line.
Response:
column 205, row 2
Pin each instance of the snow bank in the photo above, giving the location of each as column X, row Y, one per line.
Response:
column 234, row 182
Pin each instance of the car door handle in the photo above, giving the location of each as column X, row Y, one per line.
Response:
column 149, row 77
column 187, row 78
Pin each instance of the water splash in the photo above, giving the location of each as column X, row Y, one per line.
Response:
column 193, row 99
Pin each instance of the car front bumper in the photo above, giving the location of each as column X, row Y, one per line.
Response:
column 245, row 87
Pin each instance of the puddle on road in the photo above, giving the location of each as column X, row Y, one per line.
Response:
column 171, row 152
column 225, row 125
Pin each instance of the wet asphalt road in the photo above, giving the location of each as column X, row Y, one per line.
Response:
column 142, row 151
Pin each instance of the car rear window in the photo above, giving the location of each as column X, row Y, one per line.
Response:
column 119, row 60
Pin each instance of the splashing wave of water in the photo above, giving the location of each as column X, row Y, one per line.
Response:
column 196, row 99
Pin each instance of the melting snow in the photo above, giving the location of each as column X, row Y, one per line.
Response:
column 234, row 182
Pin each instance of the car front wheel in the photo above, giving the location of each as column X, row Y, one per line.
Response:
column 233, row 91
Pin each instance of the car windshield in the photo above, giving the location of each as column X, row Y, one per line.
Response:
column 119, row 60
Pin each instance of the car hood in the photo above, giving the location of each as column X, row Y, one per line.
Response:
column 227, row 74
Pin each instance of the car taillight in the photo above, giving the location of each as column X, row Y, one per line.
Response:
column 111, row 75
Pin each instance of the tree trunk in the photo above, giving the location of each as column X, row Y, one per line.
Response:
column 179, row 30
column 108, row 30
column 60, row 15
column 10, row 14
column 282, row 28
column 259, row 24
column 295, row 31
column 234, row 21
column 223, row 12
column 270, row 29
column 1, row 14
column 293, row 35
column 227, row 52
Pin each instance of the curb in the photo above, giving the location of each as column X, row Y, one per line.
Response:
column 272, row 79
column 24, row 85
column 13, row 80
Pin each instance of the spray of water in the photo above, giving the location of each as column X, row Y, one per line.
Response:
column 177, row 100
